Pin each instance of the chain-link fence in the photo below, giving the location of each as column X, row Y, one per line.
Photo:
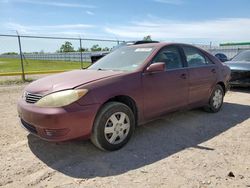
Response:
column 20, row 55
column 69, row 56
column 229, row 51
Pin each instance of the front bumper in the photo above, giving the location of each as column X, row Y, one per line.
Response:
column 240, row 78
column 58, row 124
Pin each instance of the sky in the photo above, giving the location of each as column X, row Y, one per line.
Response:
column 191, row 21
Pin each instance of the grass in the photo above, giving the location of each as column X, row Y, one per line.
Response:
column 14, row 65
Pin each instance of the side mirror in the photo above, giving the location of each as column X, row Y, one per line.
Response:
column 156, row 67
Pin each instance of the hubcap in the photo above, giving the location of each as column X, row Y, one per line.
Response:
column 217, row 98
column 117, row 128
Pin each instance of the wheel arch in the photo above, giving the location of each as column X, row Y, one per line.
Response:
column 130, row 102
column 223, row 86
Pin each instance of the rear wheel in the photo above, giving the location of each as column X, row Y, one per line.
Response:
column 216, row 100
column 113, row 126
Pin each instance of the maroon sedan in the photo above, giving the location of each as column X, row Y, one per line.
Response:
column 129, row 86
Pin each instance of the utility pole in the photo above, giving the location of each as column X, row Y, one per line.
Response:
column 210, row 44
column 21, row 55
column 81, row 52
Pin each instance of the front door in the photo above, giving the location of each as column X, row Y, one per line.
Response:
column 168, row 90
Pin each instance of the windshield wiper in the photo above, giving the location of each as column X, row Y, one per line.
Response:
column 100, row 69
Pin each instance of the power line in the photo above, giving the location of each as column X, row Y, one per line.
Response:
column 61, row 38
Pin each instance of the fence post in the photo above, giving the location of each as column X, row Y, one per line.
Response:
column 81, row 53
column 21, row 57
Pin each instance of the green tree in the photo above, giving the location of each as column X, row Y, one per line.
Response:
column 67, row 47
column 147, row 38
column 96, row 48
column 10, row 53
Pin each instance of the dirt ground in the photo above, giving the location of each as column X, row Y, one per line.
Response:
column 182, row 149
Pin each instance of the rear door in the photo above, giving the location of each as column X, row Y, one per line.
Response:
column 202, row 75
column 167, row 90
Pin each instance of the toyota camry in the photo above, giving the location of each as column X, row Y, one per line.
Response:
column 126, row 88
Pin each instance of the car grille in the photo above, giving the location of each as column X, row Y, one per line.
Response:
column 32, row 98
column 29, row 127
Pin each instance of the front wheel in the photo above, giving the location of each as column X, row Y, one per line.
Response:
column 113, row 126
column 216, row 100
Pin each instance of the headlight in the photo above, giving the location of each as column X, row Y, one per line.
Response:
column 24, row 94
column 61, row 98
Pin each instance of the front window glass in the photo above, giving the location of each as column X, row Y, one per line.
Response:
column 170, row 56
column 127, row 58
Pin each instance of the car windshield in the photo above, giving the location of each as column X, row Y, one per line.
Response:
column 123, row 59
column 243, row 56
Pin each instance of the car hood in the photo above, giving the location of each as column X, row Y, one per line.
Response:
column 239, row 65
column 68, row 80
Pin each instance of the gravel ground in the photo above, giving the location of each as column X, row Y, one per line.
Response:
column 11, row 78
column 183, row 149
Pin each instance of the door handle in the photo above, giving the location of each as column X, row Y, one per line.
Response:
column 183, row 76
column 213, row 71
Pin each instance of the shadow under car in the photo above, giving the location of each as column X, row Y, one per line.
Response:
column 150, row 143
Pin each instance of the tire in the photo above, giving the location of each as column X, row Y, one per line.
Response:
column 215, row 100
column 113, row 126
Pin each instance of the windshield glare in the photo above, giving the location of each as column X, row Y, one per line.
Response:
column 243, row 56
column 125, row 59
